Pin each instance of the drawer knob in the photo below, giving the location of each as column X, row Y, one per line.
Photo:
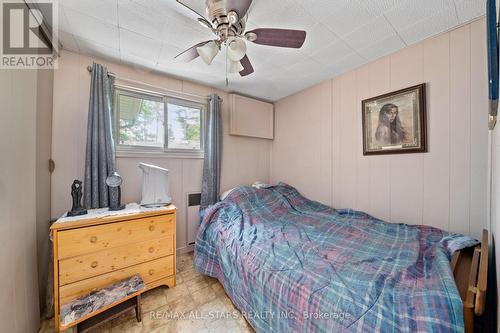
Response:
column 93, row 239
column 93, row 264
column 151, row 227
column 151, row 249
column 151, row 271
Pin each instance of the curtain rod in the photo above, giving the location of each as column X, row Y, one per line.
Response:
column 89, row 68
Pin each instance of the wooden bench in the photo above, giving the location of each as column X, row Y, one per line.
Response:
column 470, row 269
column 94, row 309
column 100, row 319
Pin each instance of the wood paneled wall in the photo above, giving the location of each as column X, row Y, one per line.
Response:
column 318, row 143
column 19, row 310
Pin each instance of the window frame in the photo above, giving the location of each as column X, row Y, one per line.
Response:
column 125, row 150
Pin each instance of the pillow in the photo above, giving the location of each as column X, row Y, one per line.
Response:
column 256, row 184
column 226, row 193
column 260, row 185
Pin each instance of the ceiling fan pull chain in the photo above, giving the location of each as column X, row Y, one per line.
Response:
column 227, row 80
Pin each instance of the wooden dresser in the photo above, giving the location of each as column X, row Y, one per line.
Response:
column 94, row 252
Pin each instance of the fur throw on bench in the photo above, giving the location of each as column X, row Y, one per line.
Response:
column 87, row 304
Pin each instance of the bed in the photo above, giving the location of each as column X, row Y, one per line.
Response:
column 290, row 264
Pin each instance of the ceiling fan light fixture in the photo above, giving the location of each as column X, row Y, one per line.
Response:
column 236, row 49
column 227, row 20
column 235, row 67
column 208, row 52
column 233, row 17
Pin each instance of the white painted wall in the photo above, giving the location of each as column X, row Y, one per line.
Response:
column 495, row 207
column 244, row 160
column 19, row 312
column 318, row 137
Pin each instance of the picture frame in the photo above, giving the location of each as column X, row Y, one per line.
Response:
column 396, row 122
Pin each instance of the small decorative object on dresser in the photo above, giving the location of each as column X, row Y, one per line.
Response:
column 104, row 247
column 76, row 193
column 155, row 186
column 114, row 181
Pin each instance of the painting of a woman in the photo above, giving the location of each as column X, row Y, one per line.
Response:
column 395, row 123
column 390, row 130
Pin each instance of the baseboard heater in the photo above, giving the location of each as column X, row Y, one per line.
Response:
column 193, row 216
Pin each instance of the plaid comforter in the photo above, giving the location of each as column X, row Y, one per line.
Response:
column 294, row 265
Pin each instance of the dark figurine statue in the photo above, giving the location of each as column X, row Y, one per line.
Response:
column 76, row 193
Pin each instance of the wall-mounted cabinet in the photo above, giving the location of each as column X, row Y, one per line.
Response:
column 250, row 117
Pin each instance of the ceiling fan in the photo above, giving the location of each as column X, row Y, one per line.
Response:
column 227, row 20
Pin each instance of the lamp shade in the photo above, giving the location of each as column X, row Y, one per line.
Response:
column 235, row 67
column 208, row 52
column 236, row 48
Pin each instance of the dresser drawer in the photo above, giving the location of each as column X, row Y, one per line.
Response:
column 150, row 272
column 97, row 263
column 86, row 240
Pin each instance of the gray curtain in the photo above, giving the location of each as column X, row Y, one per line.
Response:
column 100, row 154
column 211, row 166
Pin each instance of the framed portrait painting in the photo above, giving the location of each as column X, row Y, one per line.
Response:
column 395, row 123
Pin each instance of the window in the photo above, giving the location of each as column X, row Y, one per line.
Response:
column 184, row 126
column 148, row 122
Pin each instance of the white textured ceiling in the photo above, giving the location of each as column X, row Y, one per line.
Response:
column 341, row 35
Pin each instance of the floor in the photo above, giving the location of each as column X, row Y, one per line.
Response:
column 197, row 304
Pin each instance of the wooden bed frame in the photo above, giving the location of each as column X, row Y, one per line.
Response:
column 470, row 269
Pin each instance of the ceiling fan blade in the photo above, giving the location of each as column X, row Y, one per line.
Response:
column 279, row 37
column 191, row 53
column 247, row 66
column 195, row 8
column 239, row 6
